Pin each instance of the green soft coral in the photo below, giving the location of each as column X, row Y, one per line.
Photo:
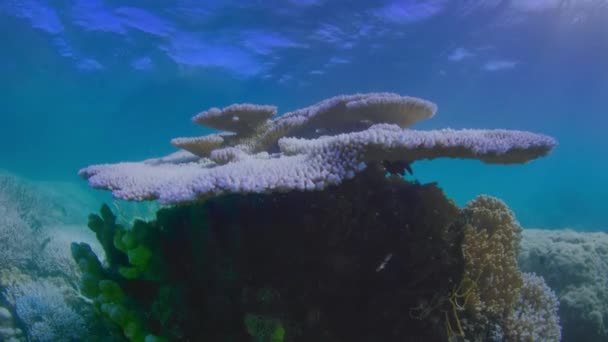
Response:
column 128, row 259
column 138, row 244
column 140, row 257
column 124, row 240
column 105, row 227
column 91, row 268
column 264, row 329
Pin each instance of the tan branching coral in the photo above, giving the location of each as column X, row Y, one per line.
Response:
column 492, row 281
column 491, row 241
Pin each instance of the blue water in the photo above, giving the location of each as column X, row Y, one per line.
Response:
column 102, row 81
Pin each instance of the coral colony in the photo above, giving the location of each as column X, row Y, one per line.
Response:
column 300, row 227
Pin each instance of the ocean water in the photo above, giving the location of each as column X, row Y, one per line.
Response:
column 88, row 82
column 92, row 81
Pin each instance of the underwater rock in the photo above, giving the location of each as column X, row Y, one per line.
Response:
column 575, row 265
column 308, row 149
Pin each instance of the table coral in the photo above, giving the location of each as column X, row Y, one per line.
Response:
column 275, row 156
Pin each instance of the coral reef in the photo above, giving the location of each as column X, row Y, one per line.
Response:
column 36, row 225
column 494, row 301
column 375, row 258
column 575, row 265
column 38, row 277
column 26, row 203
column 214, row 272
column 42, row 306
column 40, row 204
column 252, row 253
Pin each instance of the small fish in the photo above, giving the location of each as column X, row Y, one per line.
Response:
column 384, row 262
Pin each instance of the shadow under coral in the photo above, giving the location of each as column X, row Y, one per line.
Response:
column 354, row 262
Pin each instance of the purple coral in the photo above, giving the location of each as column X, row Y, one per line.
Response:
column 273, row 156
column 535, row 316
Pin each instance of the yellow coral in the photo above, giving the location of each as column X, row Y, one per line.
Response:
column 491, row 282
column 491, row 240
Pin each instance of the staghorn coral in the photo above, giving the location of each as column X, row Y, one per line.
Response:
column 275, row 156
